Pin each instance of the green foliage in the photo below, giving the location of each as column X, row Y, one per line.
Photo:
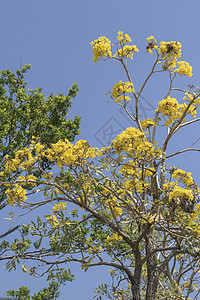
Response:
column 25, row 113
column 51, row 292
column 47, row 293
column 23, row 293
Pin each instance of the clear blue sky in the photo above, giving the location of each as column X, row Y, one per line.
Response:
column 54, row 37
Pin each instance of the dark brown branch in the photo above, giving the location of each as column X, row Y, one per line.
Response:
column 9, row 231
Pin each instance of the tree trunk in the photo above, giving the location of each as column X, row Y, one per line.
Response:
column 152, row 272
column 137, row 276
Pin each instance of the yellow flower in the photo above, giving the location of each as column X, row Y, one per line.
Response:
column 101, row 48
column 63, row 205
column 184, row 68
column 16, row 195
column 183, row 176
column 14, row 246
column 120, row 89
column 151, row 44
column 181, row 193
column 56, row 207
column 146, row 123
column 169, row 108
column 27, row 179
column 123, row 38
column 170, row 51
column 126, row 51
column 117, row 211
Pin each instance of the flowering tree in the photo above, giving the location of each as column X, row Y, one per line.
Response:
column 129, row 211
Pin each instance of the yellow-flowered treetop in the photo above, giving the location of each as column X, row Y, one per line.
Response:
column 102, row 47
column 123, row 206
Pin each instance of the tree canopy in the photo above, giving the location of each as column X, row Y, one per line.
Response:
column 26, row 112
column 128, row 209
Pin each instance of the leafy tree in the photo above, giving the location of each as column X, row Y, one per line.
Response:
column 26, row 112
column 51, row 292
column 45, row 294
column 130, row 211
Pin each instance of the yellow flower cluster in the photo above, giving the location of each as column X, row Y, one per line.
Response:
column 126, row 139
column 170, row 51
column 120, row 89
column 39, row 148
column 130, row 168
column 186, row 179
column 191, row 97
column 60, row 205
column 27, row 179
column 66, row 153
column 15, row 194
column 126, row 51
column 152, row 44
column 183, row 176
column 63, row 153
column 23, row 158
column 146, row 123
column 171, row 109
column 18, row 245
column 181, row 193
column 123, row 38
column 191, row 110
column 133, row 141
column 113, row 238
column 101, row 48
column 117, row 210
column 53, row 220
column 184, row 68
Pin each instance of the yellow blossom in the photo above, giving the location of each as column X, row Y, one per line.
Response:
column 184, row 68
column 170, row 51
column 120, row 89
column 123, row 38
column 56, row 207
column 16, row 195
column 126, row 51
column 146, row 123
column 62, row 205
column 14, row 246
column 152, row 44
column 101, row 48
